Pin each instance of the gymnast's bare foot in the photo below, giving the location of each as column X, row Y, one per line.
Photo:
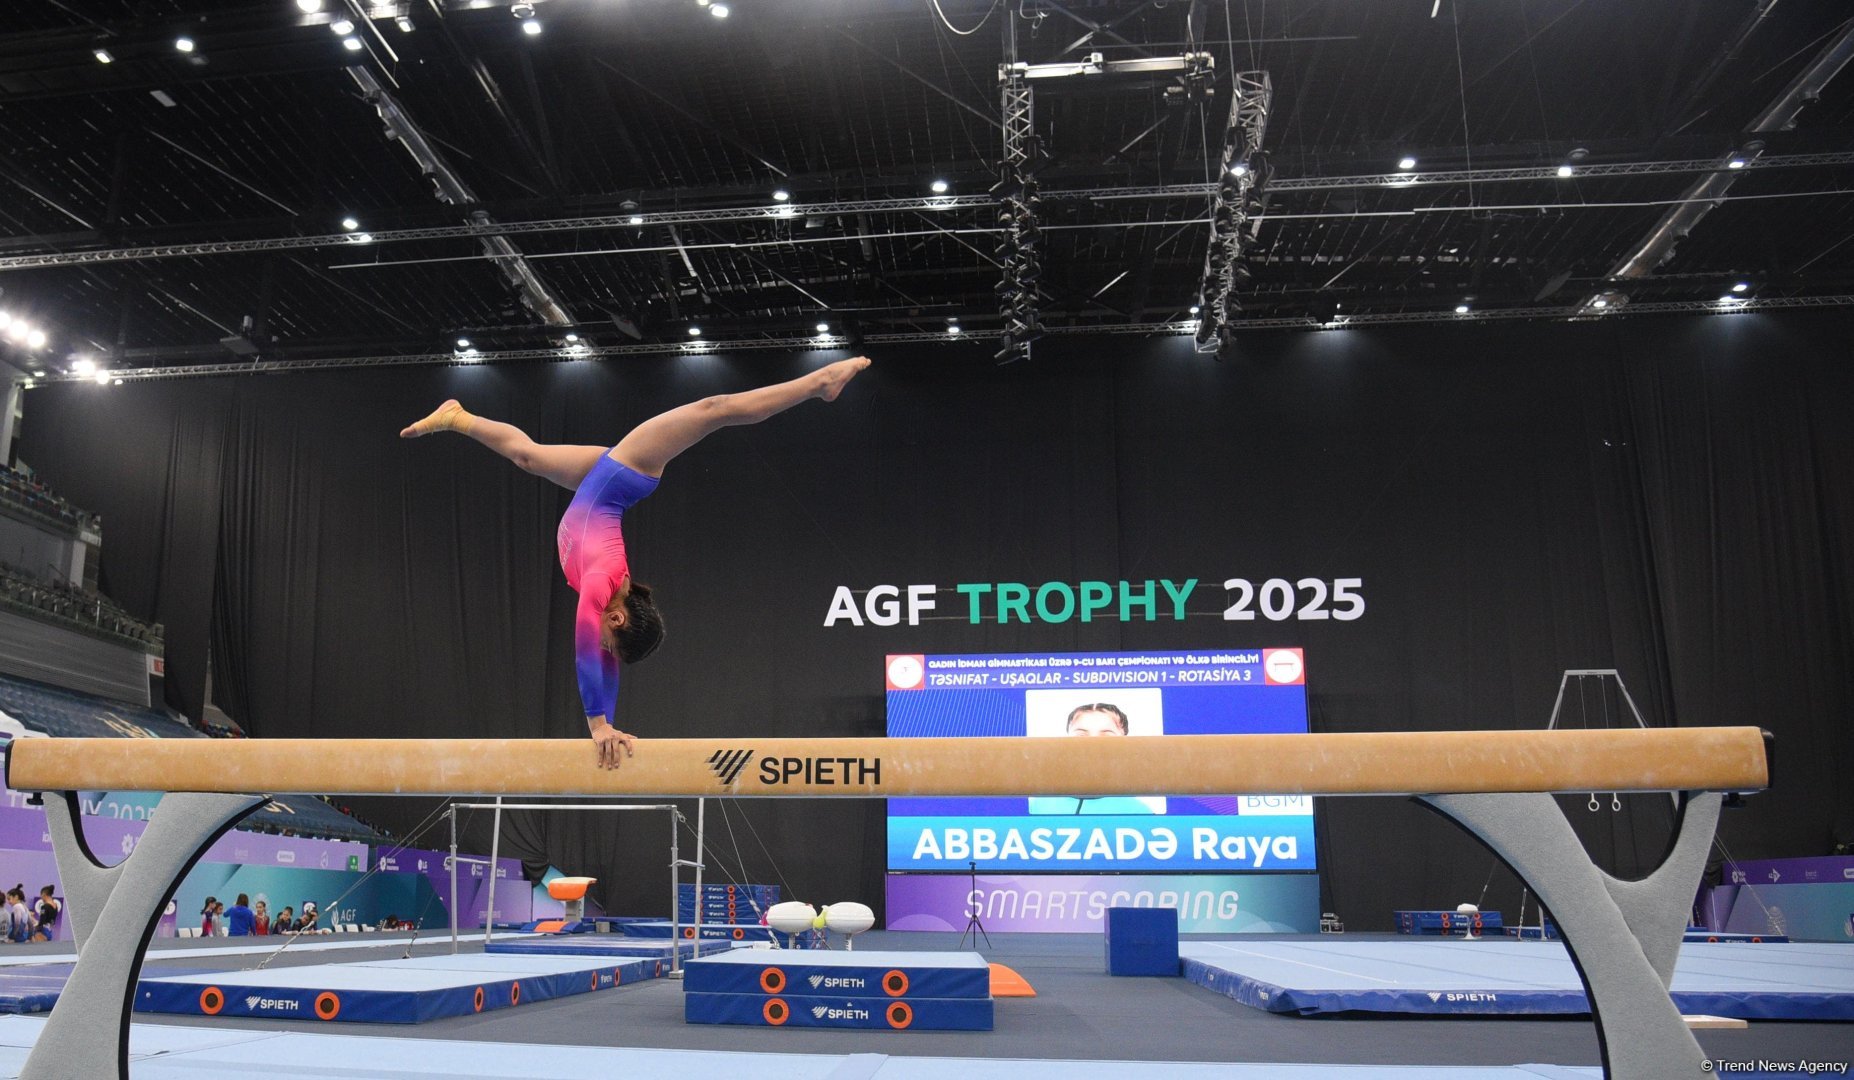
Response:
column 446, row 417
column 833, row 378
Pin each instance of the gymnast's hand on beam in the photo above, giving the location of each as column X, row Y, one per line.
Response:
column 611, row 743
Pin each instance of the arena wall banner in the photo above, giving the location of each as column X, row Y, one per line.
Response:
column 1073, row 903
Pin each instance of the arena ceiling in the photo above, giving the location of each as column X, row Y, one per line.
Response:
column 608, row 184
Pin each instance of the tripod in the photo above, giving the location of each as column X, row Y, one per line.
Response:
column 973, row 923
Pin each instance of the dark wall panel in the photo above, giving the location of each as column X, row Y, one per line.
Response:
column 1666, row 497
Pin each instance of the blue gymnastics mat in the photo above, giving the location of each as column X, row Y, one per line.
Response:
column 35, row 988
column 710, row 931
column 390, row 991
column 603, row 945
column 1498, row 977
column 761, row 972
column 159, row 1052
column 873, row 1014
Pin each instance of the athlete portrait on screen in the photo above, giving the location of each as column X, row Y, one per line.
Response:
column 1097, row 720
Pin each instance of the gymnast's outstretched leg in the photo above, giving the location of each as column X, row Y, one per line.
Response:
column 564, row 465
column 651, row 445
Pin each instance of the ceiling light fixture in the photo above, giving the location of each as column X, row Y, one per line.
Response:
column 1239, row 169
column 102, row 378
column 571, row 338
column 352, row 44
column 103, row 56
column 308, row 7
column 823, row 329
column 1196, row 309
column 1406, row 162
column 1564, row 170
column 781, row 195
column 404, row 23
column 1742, row 286
column 532, row 27
column 83, row 365
column 695, row 331
column 342, row 27
column 637, row 219
column 1461, row 309
column 349, row 224
column 719, row 11
column 363, row 238
column 184, row 44
column 35, row 339
column 939, row 187
column 463, row 343
column 1735, row 163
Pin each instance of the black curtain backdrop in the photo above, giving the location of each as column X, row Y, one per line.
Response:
column 1673, row 498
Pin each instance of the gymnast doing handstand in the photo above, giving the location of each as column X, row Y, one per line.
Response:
column 617, row 619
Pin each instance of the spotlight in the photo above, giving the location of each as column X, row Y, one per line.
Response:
column 184, row 44
column 1741, row 287
column 1735, row 163
column 352, row 44
column 823, row 329
column 83, row 365
column 532, row 27
column 719, row 11
column 404, row 24
column 342, row 27
column 1239, row 169
column 785, row 211
column 939, row 187
column 1564, row 170
column 1599, row 302
column 695, row 331
column 522, row 11
column 349, row 224
column 1461, row 309
column 1729, row 298
column 637, row 219
column 17, row 330
column 38, row 374
column 463, row 343
column 102, row 378
column 571, row 338
column 118, row 382
column 952, row 328
column 363, row 238
column 781, row 195
column 103, row 56
column 308, row 7
column 1406, row 162
column 35, row 339
column 1196, row 309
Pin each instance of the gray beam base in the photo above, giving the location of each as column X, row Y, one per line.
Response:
column 113, row 912
column 1623, row 935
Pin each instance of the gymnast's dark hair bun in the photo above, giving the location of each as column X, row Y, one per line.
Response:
column 642, row 631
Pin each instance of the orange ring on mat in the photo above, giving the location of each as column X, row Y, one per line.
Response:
column 895, row 983
column 478, row 1000
column 772, row 980
column 595, row 980
column 617, row 976
column 327, row 1005
column 515, row 993
column 212, row 999
column 899, row 1014
column 739, row 933
column 776, row 1011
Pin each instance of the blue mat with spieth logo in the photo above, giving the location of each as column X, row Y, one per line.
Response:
column 390, row 991
column 1499, row 977
column 842, row 974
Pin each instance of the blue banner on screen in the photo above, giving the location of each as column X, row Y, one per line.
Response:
column 1072, row 695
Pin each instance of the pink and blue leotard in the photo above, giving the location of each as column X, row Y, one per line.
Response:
column 591, row 542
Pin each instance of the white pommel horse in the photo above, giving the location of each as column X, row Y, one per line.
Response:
column 1623, row 935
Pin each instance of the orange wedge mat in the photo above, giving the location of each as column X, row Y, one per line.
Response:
column 1007, row 983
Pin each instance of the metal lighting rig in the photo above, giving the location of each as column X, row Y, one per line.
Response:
column 1243, row 172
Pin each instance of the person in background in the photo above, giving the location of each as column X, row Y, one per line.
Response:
column 206, row 928
column 6, row 925
column 306, row 924
column 239, row 917
column 22, row 919
column 48, row 911
column 218, row 918
column 260, row 919
column 284, row 924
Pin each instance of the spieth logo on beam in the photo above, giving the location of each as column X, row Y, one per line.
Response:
column 728, row 763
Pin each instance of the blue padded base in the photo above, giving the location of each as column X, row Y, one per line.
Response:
column 710, row 931
column 1503, row 977
column 888, row 1014
column 389, row 991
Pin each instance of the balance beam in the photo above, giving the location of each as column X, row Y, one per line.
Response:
column 1498, row 785
column 1380, row 763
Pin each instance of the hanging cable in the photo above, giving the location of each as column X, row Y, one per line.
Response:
column 944, row 21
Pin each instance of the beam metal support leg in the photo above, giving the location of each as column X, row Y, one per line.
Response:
column 1623, row 936
column 114, row 911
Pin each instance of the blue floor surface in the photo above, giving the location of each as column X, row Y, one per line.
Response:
column 159, row 1052
column 1524, row 978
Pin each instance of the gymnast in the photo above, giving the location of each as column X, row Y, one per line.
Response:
column 617, row 619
